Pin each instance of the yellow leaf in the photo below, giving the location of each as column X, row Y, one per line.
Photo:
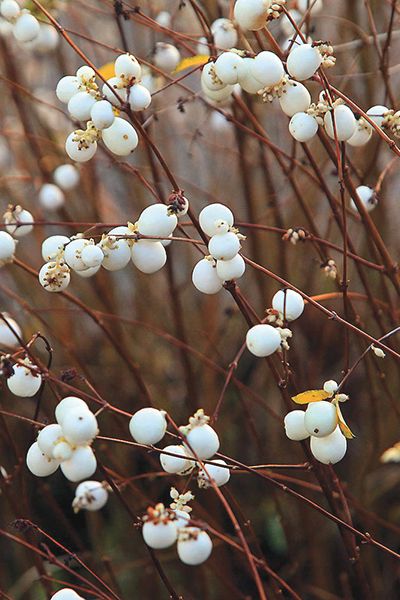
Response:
column 192, row 61
column 107, row 70
column 391, row 454
column 311, row 396
column 344, row 428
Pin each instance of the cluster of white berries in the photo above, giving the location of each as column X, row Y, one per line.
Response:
column 163, row 527
column 90, row 495
column 263, row 340
column 51, row 195
column 66, row 594
column 224, row 262
column 320, row 423
column 99, row 108
column 116, row 248
column 27, row 30
column 67, row 443
column 149, row 425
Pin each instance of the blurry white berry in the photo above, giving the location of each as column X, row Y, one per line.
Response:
column 295, row 98
column 228, row 67
column 148, row 426
column 303, row 61
column 81, row 465
column 92, row 256
column 203, row 441
column 73, row 254
column 90, row 495
column 164, row 18
column 166, row 57
column 66, row 88
column 345, row 123
column 38, row 463
column 205, row 277
column 26, row 28
column 220, row 474
column 19, row 216
column 303, row 127
column 175, row 464
column 78, row 152
column 263, row 340
column 51, row 197
column 48, row 438
column 376, row 114
column 211, row 214
column 267, row 68
column 9, row 9
column 329, row 449
column 224, row 33
column 159, row 535
column 7, row 337
column 194, row 546
column 139, row 97
column 66, row 176
column 182, row 518
column 66, row 594
column 289, row 303
column 80, row 426
column 330, row 387
column 148, row 256
column 7, row 246
column 294, row 425
column 47, row 40
column 23, row 382
column 320, row 418
column 121, row 138
column 127, row 67
column 67, row 404
column 231, row 269
column 251, row 14
column 157, row 220
column 53, row 246
column 367, row 196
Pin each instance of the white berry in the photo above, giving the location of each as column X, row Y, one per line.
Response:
column 148, row 426
column 294, row 425
column 320, row 418
column 263, row 340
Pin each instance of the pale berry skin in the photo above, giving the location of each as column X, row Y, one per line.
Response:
column 89, row 272
column 247, row 81
column 329, row 449
column 295, row 98
column 224, row 33
column 376, row 113
column 361, row 136
column 117, row 257
column 345, row 123
column 159, row 535
column 121, row 138
column 330, row 386
column 66, row 177
column 72, row 254
column 303, row 127
column 66, row 88
column 139, row 97
column 66, row 594
column 202, row 441
column 81, row 465
column 320, row 418
column 77, row 153
column 62, row 451
column 303, row 62
column 205, row 277
column 155, row 220
column 102, row 114
column 267, row 68
column 85, row 74
column 294, row 426
column 80, row 427
column 9, row 9
column 38, row 463
column 20, row 230
column 7, row 337
column 97, row 493
column 51, row 197
column 48, row 438
column 251, row 14
column 209, row 79
column 67, row 404
column 117, row 84
column 51, row 281
column 23, row 383
column 263, row 340
column 92, row 256
column 166, row 57
column 228, row 67
column 231, row 269
column 148, row 426
column 211, row 214
column 367, row 196
column 80, row 106
column 182, row 518
column 289, row 303
column 175, row 464
column 53, row 245
column 225, row 246
column 148, row 256
column 218, row 96
column 26, row 28
column 164, row 18
column 47, row 40
column 219, row 474
column 194, row 551
column 7, row 246
column 127, row 67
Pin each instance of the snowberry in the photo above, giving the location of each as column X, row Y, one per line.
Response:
column 121, row 230
column 367, row 196
column 166, row 57
column 47, row 40
column 53, row 246
column 294, row 425
column 303, row 127
column 117, row 84
column 67, row 404
column 127, row 68
column 345, row 123
column 251, row 14
column 320, row 418
column 54, row 276
column 157, row 220
column 148, row 256
column 9, row 9
column 182, row 518
column 80, row 105
column 194, row 546
column 7, row 336
column 228, row 67
column 295, row 98
column 26, row 28
column 224, row 246
column 289, row 303
column 48, row 438
column 92, row 255
column 102, row 114
column 66, row 176
column 81, row 465
column 159, row 535
column 7, row 246
column 330, row 387
column 267, row 68
column 121, row 138
column 376, row 114
column 224, row 33
column 39, row 463
column 203, row 441
column 247, row 81
column 19, row 216
column 80, row 426
column 116, row 254
column 209, row 78
column 211, row 214
column 164, row 18
column 362, row 134
column 139, row 97
column 175, row 464
column 205, row 277
column 263, row 340
column 66, row 594
column 86, row 74
column 329, row 449
column 231, row 269
column 90, row 495
column 220, row 474
column 218, row 96
column 148, row 426
column 51, row 197
column 24, row 382
column 62, row 451
column 66, row 88
column 73, row 254
column 303, row 61
column 77, row 151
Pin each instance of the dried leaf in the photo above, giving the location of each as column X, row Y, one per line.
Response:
column 344, row 428
column 311, row 396
column 192, row 61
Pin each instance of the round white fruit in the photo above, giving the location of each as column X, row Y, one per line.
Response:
column 267, row 68
column 156, row 220
column 7, row 246
column 294, row 426
column 26, row 28
column 345, row 123
column 81, row 465
column 289, row 303
column 66, row 405
column 159, row 535
column 19, row 217
column 205, row 277
column 175, row 464
column 80, row 426
column 203, row 441
column 231, row 269
column 38, row 463
column 51, row 197
column 295, row 98
column 303, row 127
column 217, row 471
column 148, row 256
column 66, row 176
column 121, row 138
column 23, row 382
column 148, row 426
column 8, row 338
column 211, row 214
column 263, row 340
column 91, row 495
column 303, row 61
column 194, row 546
column 330, row 449
column 102, row 114
column 320, row 418
column 48, row 438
